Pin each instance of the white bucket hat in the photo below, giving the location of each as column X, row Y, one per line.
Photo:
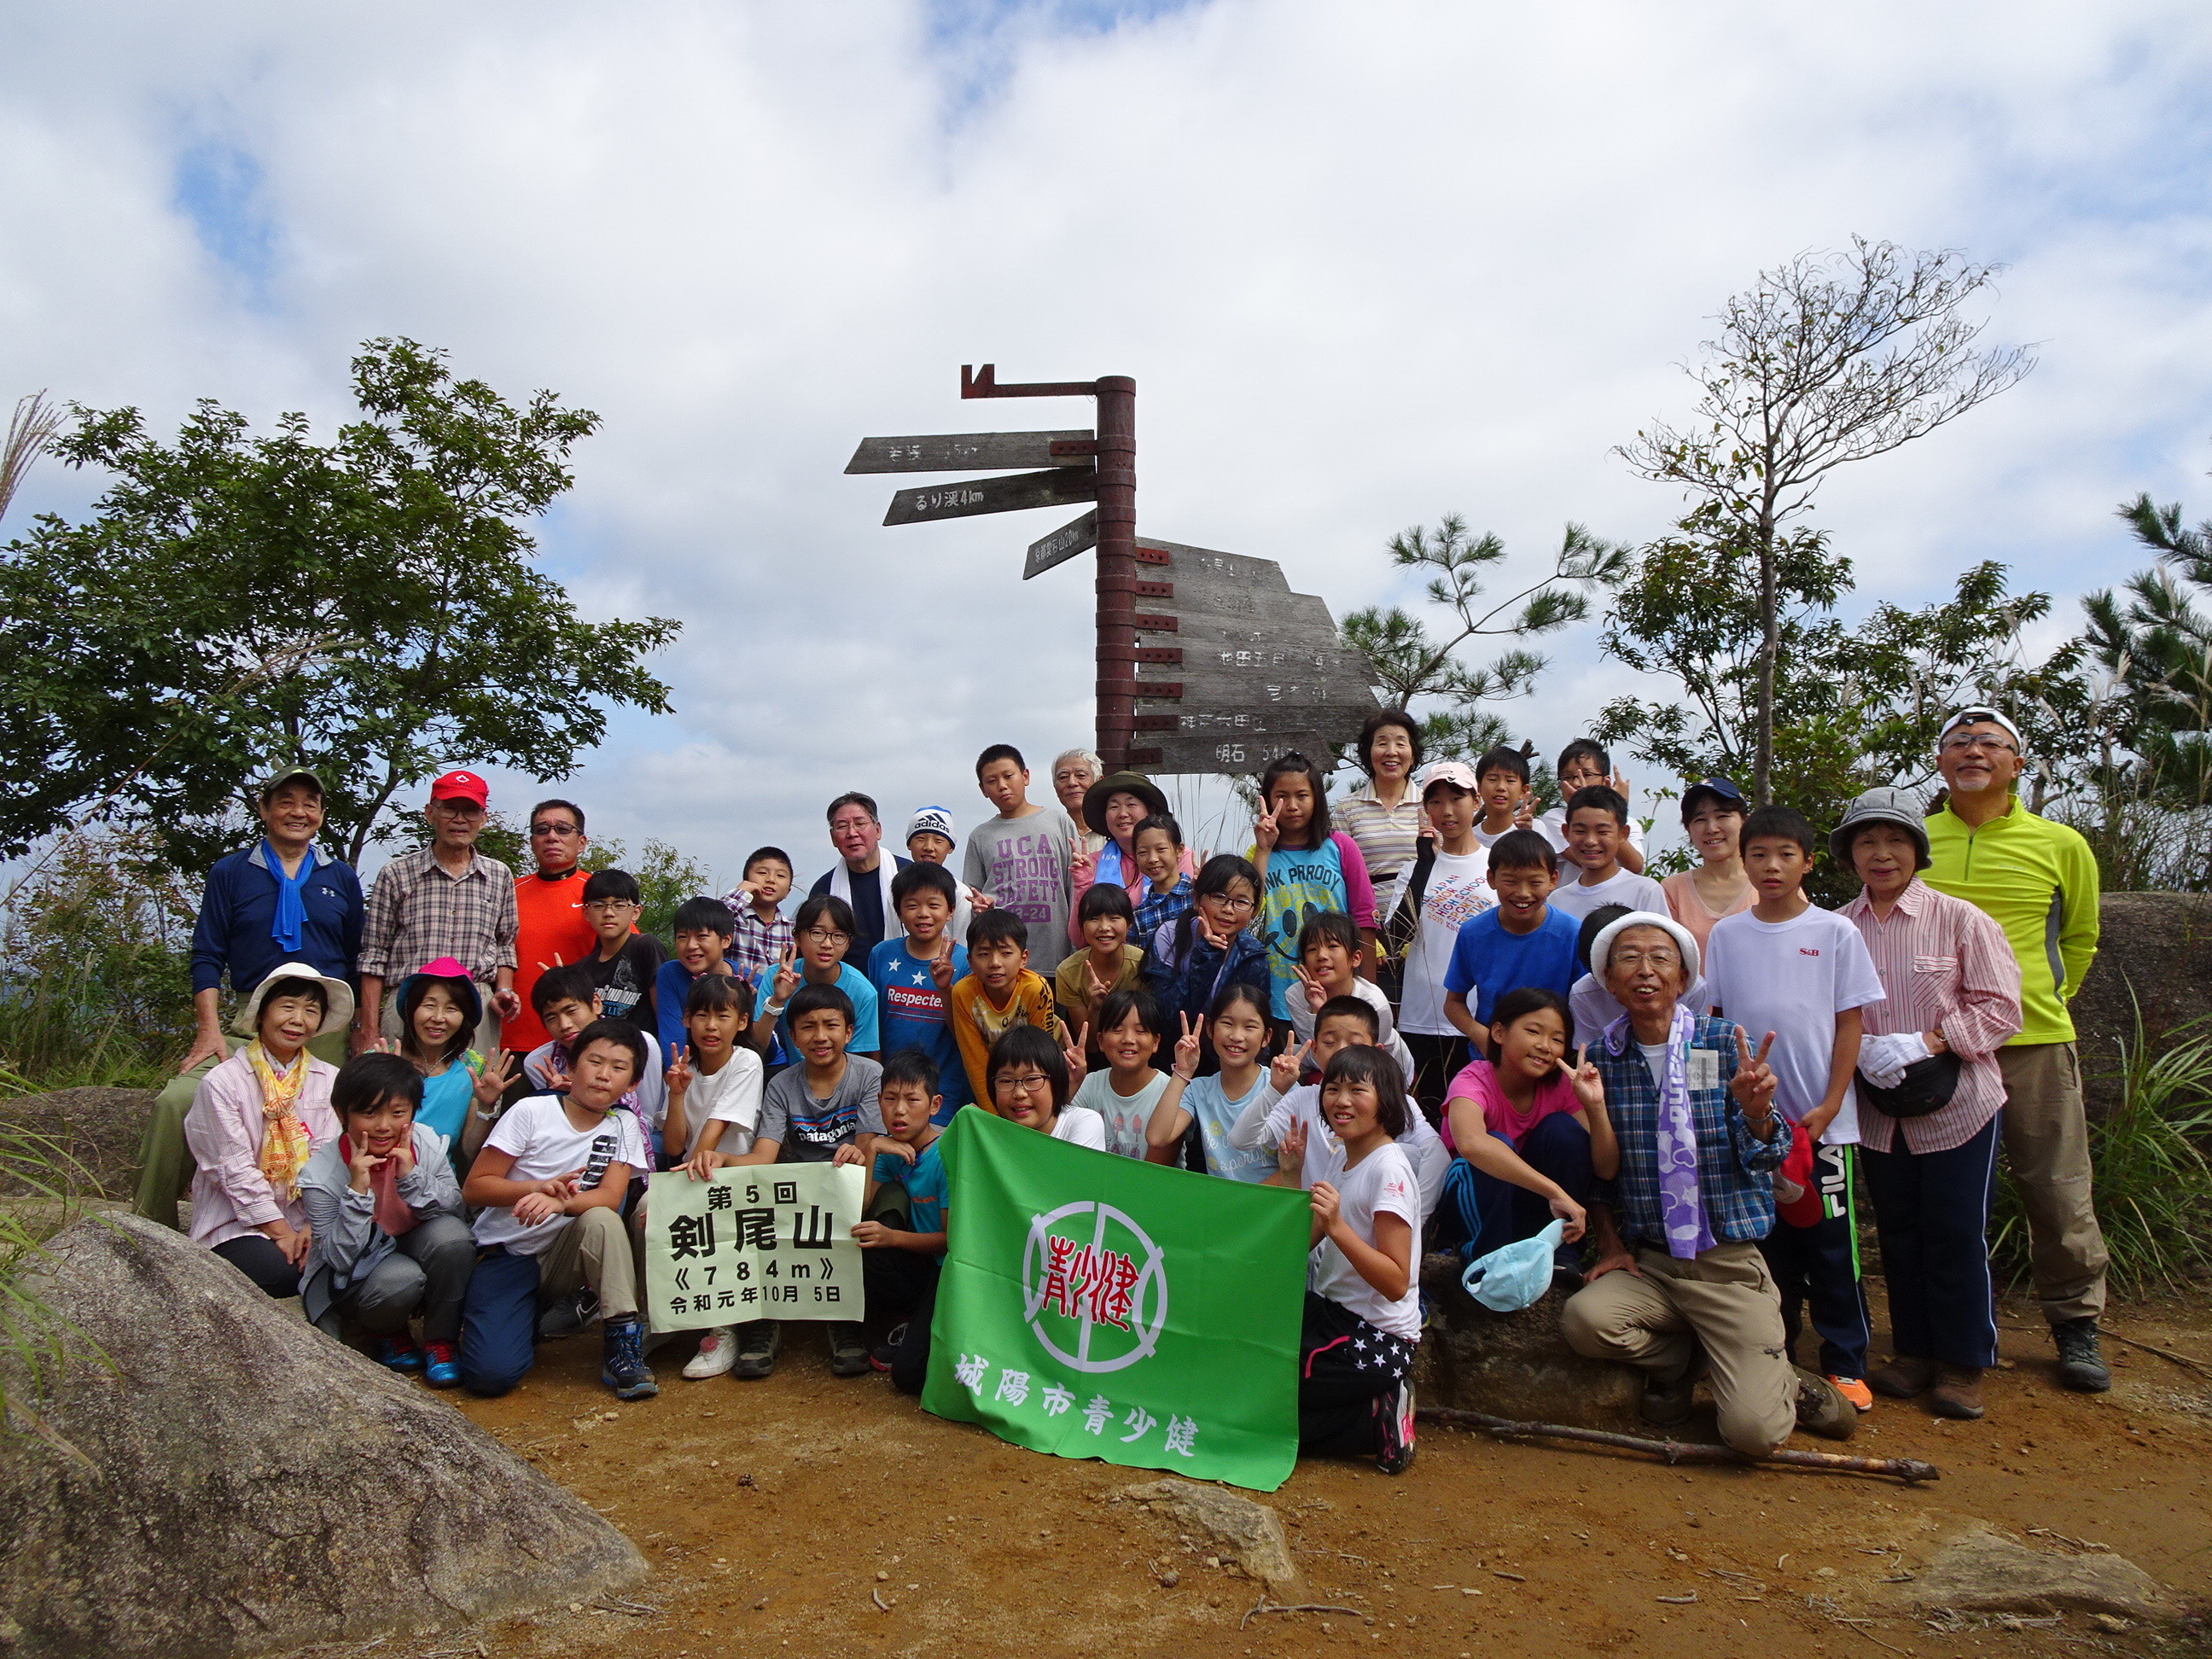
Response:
column 337, row 999
column 1602, row 947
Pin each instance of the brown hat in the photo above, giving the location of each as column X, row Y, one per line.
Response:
column 1121, row 783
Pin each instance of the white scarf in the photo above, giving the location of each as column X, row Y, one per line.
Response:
column 841, row 885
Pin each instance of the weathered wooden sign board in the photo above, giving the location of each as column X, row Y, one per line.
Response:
column 974, row 452
column 1053, row 487
column 1077, row 536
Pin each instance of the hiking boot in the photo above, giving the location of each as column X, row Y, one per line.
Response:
column 1667, row 1403
column 1394, row 1428
column 1958, row 1392
column 2080, row 1366
column 622, row 1362
column 1905, row 1378
column 1822, row 1408
column 564, row 1316
column 758, row 1344
column 1860, row 1396
column 442, row 1365
column 718, row 1351
column 848, row 1349
column 397, row 1353
column 880, row 1358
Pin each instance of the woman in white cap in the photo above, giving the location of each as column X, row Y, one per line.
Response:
column 256, row 1118
column 1929, row 1095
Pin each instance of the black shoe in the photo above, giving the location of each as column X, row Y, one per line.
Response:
column 564, row 1316
column 1393, row 1428
column 1668, row 1403
column 880, row 1358
column 1822, row 1408
column 848, row 1349
column 758, row 1345
column 621, row 1364
column 2080, row 1366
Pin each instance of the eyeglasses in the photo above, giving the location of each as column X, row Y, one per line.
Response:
column 1985, row 743
column 555, row 829
column 459, row 809
column 1638, row 958
column 824, row 935
column 612, row 904
column 1234, row 906
column 1027, row 1085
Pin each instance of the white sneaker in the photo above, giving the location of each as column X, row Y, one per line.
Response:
column 718, row 1351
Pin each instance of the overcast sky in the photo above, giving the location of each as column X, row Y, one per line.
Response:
column 1368, row 264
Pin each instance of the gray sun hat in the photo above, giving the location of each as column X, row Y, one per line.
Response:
column 1896, row 807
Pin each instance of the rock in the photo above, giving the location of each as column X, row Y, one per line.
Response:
column 1516, row 1365
column 100, row 1127
column 2154, row 953
column 1237, row 1529
column 240, row 1484
column 1983, row 1571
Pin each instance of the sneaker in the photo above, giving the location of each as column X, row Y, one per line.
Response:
column 1822, row 1408
column 758, row 1345
column 564, row 1316
column 1667, row 1403
column 718, row 1351
column 1393, row 1428
column 441, row 1367
column 621, row 1364
column 1905, row 1377
column 848, row 1349
column 1860, row 1396
column 1957, row 1393
column 2080, row 1366
column 879, row 1358
column 397, row 1353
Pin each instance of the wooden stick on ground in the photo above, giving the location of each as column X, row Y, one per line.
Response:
column 1910, row 1470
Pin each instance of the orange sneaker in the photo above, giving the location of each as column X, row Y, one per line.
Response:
column 1856, row 1391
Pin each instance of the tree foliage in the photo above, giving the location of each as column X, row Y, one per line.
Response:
column 1413, row 664
column 1830, row 359
column 369, row 608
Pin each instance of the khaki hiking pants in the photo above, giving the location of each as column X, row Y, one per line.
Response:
column 1725, row 1301
column 2046, row 1140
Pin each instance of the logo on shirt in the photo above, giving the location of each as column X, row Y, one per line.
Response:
column 1094, row 1287
column 1807, row 950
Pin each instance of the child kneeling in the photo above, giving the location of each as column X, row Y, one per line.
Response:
column 902, row 1228
column 1362, row 1308
column 550, row 1180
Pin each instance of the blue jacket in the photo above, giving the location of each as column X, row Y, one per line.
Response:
column 1188, row 985
column 239, row 905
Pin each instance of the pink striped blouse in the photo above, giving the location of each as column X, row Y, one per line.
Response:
column 1946, row 965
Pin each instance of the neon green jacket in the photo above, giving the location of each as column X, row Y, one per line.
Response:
column 2038, row 880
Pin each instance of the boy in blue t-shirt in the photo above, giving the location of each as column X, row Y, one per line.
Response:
column 903, row 1236
column 702, row 929
column 1519, row 941
column 913, row 977
column 823, row 931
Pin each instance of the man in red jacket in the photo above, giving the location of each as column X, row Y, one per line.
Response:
column 548, row 904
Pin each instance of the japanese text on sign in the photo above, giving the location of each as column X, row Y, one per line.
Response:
column 768, row 1242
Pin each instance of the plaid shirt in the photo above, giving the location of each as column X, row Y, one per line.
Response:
column 757, row 943
column 1735, row 1167
column 417, row 913
column 1159, row 907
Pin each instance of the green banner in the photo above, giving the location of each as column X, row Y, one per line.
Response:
column 1093, row 1306
column 771, row 1241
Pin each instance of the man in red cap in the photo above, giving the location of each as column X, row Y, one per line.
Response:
column 443, row 900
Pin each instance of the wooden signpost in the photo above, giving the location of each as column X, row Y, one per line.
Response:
column 1253, row 669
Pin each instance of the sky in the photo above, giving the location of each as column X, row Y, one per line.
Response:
column 1367, row 265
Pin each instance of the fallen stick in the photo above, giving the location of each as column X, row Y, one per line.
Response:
column 1910, row 1470
column 1263, row 1605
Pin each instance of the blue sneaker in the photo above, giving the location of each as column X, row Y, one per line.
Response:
column 397, row 1353
column 622, row 1365
column 441, row 1367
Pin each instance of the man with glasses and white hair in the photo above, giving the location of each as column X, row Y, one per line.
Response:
column 2037, row 881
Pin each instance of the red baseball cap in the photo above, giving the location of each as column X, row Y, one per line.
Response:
column 461, row 786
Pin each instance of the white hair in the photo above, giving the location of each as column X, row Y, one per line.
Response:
column 1088, row 756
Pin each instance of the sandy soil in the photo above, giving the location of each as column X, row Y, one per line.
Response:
column 790, row 1514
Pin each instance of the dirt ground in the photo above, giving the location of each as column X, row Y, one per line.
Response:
column 824, row 1516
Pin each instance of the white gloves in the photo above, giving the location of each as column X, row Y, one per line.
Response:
column 1882, row 1059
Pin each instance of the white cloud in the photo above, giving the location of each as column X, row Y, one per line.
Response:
column 1368, row 264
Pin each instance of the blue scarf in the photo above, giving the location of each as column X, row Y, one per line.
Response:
column 291, row 918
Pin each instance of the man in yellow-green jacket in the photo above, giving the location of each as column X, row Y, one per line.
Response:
column 2039, row 881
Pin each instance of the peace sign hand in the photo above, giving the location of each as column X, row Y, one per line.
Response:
column 1187, row 1045
column 1754, row 1082
column 787, row 975
column 1316, row 993
column 1589, row 1087
column 1290, row 1155
column 1073, row 1049
column 1283, row 1071
column 678, row 1075
column 940, row 972
column 1079, row 861
column 1264, row 832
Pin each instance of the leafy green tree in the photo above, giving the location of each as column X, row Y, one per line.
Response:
column 1413, row 665
column 2156, row 644
column 369, row 608
column 665, row 876
column 1829, row 359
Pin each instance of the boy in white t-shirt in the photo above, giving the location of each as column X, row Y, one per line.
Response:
column 1453, row 880
column 1584, row 764
column 549, row 1183
column 1597, row 827
column 1788, row 967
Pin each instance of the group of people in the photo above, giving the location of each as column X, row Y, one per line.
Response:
column 1459, row 1023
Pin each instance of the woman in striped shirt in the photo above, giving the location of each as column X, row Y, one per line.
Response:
column 1952, row 988
column 1384, row 819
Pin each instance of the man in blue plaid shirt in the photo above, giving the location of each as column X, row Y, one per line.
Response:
column 1679, row 1288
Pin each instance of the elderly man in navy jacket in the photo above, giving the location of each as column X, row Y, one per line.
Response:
column 283, row 899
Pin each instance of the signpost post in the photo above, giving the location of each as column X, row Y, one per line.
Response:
column 1253, row 669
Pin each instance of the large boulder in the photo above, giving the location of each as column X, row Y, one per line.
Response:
column 99, row 1127
column 1983, row 1571
column 1516, row 1365
column 2154, row 954
column 240, row 1484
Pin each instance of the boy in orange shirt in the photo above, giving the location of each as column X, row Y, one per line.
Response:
column 999, row 991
